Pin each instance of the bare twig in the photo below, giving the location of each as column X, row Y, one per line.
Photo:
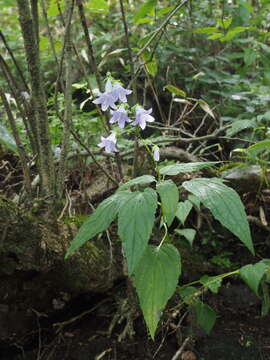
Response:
column 162, row 26
column 181, row 349
column 21, row 150
column 14, row 60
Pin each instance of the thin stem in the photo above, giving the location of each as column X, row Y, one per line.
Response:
column 20, row 147
column 131, row 64
column 162, row 26
column 91, row 53
column 14, row 60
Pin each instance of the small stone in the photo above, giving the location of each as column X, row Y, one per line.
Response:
column 188, row 355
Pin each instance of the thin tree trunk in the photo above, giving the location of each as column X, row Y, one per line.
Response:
column 29, row 28
column 68, row 100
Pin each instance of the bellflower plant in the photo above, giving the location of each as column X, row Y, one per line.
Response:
column 119, row 116
column 156, row 153
column 142, row 117
column 154, row 267
column 109, row 143
column 120, row 93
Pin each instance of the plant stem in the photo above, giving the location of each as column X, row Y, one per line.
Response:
column 68, row 100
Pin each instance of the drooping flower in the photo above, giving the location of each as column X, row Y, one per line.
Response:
column 106, row 100
column 156, row 153
column 120, row 93
column 120, row 116
column 112, row 94
column 142, row 117
column 109, row 143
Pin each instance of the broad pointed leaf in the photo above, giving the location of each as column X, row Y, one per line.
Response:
column 225, row 205
column 183, row 209
column 213, row 283
column 169, row 195
column 205, row 316
column 189, row 234
column 146, row 9
column 252, row 275
column 141, row 180
column 99, row 221
column 156, row 278
column 185, row 167
column 135, row 222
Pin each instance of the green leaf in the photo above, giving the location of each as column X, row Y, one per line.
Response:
column 97, row 6
column 213, row 283
column 224, row 23
column 259, row 146
column 189, row 234
column 252, row 275
column 43, row 43
column 194, row 200
column 185, row 167
column 169, row 195
column 135, row 222
column 54, row 9
column 188, row 294
column 156, row 278
column 99, row 221
column 141, row 180
column 150, row 61
column 175, row 91
column 146, row 9
column 205, row 316
column 203, row 104
column 183, row 209
column 6, row 139
column 206, row 30
column 215, row 36
column 225, row 205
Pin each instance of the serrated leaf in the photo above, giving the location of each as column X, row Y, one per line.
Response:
column 203, row 104
column 156, row 278
column 169, row 195
column 252, row 275
column 6, row 139
column 188, row 294
column 135, row 222
column 140, row 180
column 99, row 221
column 189, row 234
column 146, row 9
column 213, row 283
column 185, row 167
column 205, row 316
column 97, row 6
column 183, row 209
column 225, row 205
column 175, row 91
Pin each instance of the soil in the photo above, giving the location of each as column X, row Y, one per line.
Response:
column 79, row 331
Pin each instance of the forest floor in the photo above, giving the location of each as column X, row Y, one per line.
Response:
column 80, row 333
